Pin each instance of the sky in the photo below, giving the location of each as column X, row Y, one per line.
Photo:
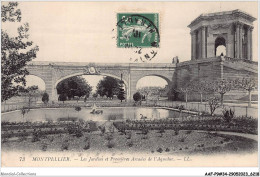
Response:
column 82, row 31
column 86, row 31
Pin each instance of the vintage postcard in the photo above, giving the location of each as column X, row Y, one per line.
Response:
column 129, row 84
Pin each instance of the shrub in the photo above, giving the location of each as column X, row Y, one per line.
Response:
column 51, row 138
column 130, row 143
column 110, row 144
column 167, row 150
column 36, row 137
column 159, row 150
column 79, row 133
column 128, row 135
column 77, row 108
column 188, row 132
column 109, row 137
column 228, row 115
column 87, row 146
column 45, row 98
column 22, row 138
column 102, row 129
column 4, row 140
column 137, row 97
column 145, row 131
column 176, row 131
column 182, row 139
column 44, row 147
column 65, row 145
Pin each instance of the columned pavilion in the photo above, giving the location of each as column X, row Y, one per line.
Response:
column 232, row 29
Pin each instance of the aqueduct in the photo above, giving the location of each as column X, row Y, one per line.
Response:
column 54, row 72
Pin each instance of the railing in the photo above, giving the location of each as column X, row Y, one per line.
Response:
column 204, row 107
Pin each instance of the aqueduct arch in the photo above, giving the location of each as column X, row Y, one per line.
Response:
column 53, row 73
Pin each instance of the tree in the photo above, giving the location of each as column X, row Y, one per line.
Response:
column 108, row 86
column 200, row 87
column 63, row 97
column 121, row 94
column 137, row 97
column 222, row 87
column 185, row 89
column 45, row 98
column 16, row 52
column 145, row 91
column 213, row 104
column 95, row 95
column 74, row 86
column 248, row 84
column 29, row 92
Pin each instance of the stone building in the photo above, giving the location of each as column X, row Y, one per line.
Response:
column 233, row 31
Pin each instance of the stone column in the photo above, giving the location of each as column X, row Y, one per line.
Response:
column 193, row 45
column 240, row 41
column 248, row 44
column 251, row 43
column 237, row 41
column 203, row 42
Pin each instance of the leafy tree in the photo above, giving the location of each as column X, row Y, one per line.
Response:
column 137, row 97
column 16, row 52
column 45, row 98
column 74, row 86
column 108, row 86
column 121, row 94
column 95, row 95
column 63, row 97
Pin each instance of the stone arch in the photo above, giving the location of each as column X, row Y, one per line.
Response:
column 220, row 41
column 102, row 74
column 37, row 76
column 137, row 76
column 156, row 75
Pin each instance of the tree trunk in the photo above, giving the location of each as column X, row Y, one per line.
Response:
column 249, row 94
column 200, row 97
column 222, row 99
column 186, row 99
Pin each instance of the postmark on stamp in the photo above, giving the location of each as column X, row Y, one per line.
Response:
column 138, row 30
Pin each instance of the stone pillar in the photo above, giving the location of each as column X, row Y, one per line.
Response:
column 203, row 42
column 251, row 43
column 237, row 41
column 193, row 45
column 248, row 44
column 240, row 41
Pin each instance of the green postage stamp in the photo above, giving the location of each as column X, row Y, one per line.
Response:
column 138, row 30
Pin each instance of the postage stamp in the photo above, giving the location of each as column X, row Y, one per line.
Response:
column 138, row 30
